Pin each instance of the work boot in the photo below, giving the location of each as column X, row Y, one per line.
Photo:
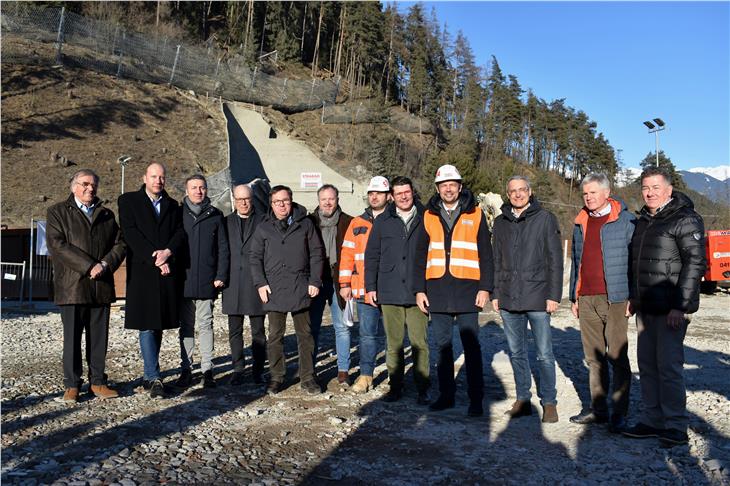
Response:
column 274, row 387
column 185, row 379
column 363, row 384
column 311, row 387
column 520, row 408
column 550, row 413
column 103, row 391
column 343, row 378
column 71, row 395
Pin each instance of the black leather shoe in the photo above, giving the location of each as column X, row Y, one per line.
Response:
column 642, row 431
column 475, row 409
column 441, row 403
column 589, row 417
column 157, row 389
column 673, row 437
column 237, row 378
column 208, row 380
column 422, row 398
column 185, row 379
column 274, row 387
column 393, row 395
column 617, row 424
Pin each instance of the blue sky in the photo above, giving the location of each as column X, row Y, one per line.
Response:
column 620, row 62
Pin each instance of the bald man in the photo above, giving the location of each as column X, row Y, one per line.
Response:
column 152, row 226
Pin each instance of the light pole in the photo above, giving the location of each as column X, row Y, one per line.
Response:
column 122, row 160
column 655, row 129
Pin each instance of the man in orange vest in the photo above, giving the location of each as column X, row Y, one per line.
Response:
column 454, row 276
column 352, row 279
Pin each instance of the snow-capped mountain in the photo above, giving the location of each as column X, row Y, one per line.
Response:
column 721, row 172
column 627, row 176
column 708, row 185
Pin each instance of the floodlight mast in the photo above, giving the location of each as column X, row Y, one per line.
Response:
column 655, row 129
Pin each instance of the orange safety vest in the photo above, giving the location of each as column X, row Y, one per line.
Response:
column 464, row 254
column 352, row 257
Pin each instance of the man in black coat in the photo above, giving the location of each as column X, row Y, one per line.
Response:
column 151, row 223
column 86, row 248
column 206, row 273
column 240, row 298
column 389, row 271
column 667, row 264
column 455, row 274
column 287, row 260
column 528, row 286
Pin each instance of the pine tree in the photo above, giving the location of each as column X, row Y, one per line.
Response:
column 666, row 164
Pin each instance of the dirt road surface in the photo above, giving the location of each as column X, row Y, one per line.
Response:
column 238, row 435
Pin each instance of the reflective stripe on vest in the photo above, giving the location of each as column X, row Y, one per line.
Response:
column 464, row 252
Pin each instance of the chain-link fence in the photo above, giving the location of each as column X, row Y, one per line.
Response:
column 358, row 112
column 44, row 36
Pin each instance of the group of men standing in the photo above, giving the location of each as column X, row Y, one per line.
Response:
column 403, row 264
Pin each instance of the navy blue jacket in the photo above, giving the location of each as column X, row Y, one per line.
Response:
column 207, row 257
column 615, row 245
column 389, row 257
column 528, row 261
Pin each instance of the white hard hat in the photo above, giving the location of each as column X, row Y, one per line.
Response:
column 379, row 184
column 447, row 173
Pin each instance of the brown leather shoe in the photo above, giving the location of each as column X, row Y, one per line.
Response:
column 103, row 391
column 343, row 378
column 550, row 413
column 71, row 395
column 520, row 408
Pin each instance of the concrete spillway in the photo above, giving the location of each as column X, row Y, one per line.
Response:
column 257, row 150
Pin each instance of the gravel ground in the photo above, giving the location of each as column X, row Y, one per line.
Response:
column 239, row 435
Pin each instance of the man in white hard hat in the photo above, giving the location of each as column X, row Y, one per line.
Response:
column 352, row 279
column 454, row 276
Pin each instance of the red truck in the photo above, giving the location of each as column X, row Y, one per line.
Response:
column 717, row 251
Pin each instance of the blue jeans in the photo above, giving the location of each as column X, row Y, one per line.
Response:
column 328, row 296
column 150, row 343
column 515, row 329
column 371, row 325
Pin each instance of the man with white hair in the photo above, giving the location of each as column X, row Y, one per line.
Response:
column 599, row 291
column 86, row 248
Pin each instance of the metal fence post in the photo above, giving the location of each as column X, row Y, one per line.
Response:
column 174, row 65
column 59, row 37
column 121, row 55
column 30, row 267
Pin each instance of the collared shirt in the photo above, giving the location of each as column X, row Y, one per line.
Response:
column 516, row 214
column 663, row 206
column 155, row 203
column 601, row 212
column 87, row 210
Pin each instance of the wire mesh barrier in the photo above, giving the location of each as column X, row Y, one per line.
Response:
column 49, row 36
column 361, row 112
column 13, row 280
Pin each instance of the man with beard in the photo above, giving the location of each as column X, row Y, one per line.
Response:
column 352, row 279
column 331, row 223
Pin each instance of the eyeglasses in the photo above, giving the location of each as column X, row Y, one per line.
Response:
column 518, row 190
column 280, row 202
column 87, row 185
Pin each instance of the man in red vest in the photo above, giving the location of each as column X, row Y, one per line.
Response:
column 454, row 276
